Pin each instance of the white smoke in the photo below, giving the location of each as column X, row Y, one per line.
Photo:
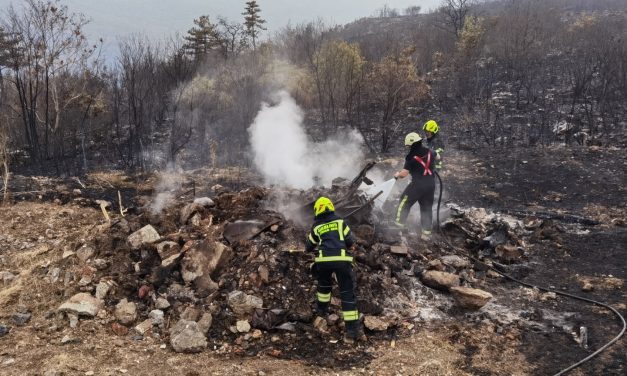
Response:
column 287, row 157
column 169, row 182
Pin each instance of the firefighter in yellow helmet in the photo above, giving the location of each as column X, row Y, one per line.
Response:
column 332, row 239
column 420, row 163
column 433, row 141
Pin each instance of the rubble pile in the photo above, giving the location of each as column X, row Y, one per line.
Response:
column 227, row 273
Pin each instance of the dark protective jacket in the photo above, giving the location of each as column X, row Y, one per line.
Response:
column 332, row 237
column 422, row 166
column 436, row 144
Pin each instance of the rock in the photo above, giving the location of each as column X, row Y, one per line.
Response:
column 102, row 289
column 256, row 334
column 375, row 324
column 53, row 275
column 243, row 304
column 67, row 339
column 287, row 326
column 4, row 330
column 243, row 326
column 509, row 253
column 162, row 303
column 439, row 280
column 186, row 337
column 144, row 235
column 190, row 314
column 274, row 228
column 199, row 263
column 587, row 286
column 157, row 317
column 320, row 324
column 548, row 296
column 264, row 273
column 171, row 261
column 126, row 312
column 73, row 320
column 195, row 220
column 82, row 304
column 143, row 291
column 436, row 265
column 167, row 249
column 399, row 249
column 85, row 252
column 188, row 212
column 143, row 327
column 100, row 264
column 7, row 277
column 470, row 298
column 67, row 253
column 119, row 329
column 204, row 324
column 20, row 319
column 333, row 319
column 205, row 202
column 455, row 261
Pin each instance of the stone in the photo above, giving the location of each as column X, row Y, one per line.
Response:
column 455, row 261
column 4, row 330
column 195, row 220
column 587, row 286
column 143, row 327
column 190, row 314
column 256, row 334
column 73, row 320
column 188, row 211
column 126, row 312
column 508, row 253
column 320, row 324
column 171, row 261
column 102, row 289
column 436, row 265
column 7, row 277
column 20, row 319
column 274, row 228
column 144, row 235
column 167, row 249
column 205, row 202
column 243, row 326
column 204, row 324
column 243, row 304
column 162, row 303
column 85, row 252
column 439, row 280
column 186, row 337
column 333, row 319
column 144, row 291
column 67, row 339
column 67, row 254
column 264, row 273
column 100, row 264
column 399, row 249
column 157, row 317
column 82, row 304
column 200, row 262
column 375, row 324
column 119, row 329
column 470, row 298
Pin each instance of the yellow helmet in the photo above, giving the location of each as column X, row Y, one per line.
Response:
column 411, row 138
column 323, row 205
column 431, row 126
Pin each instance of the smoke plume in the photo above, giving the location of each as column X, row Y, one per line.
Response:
column 286, row 156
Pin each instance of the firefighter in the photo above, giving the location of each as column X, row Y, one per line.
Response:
column 433, row 142
column 420, row 163
column 331, row 237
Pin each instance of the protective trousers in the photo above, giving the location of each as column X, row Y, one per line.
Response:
column 346, row 280
column 421, row 190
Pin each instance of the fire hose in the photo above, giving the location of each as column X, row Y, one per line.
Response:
column 464, row 253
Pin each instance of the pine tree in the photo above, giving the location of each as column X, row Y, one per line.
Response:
column 253, row 21
column 202, row 38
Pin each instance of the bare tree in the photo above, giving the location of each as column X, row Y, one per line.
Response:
column 453, row 14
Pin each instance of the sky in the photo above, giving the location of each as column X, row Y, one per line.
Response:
column 112, row 19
